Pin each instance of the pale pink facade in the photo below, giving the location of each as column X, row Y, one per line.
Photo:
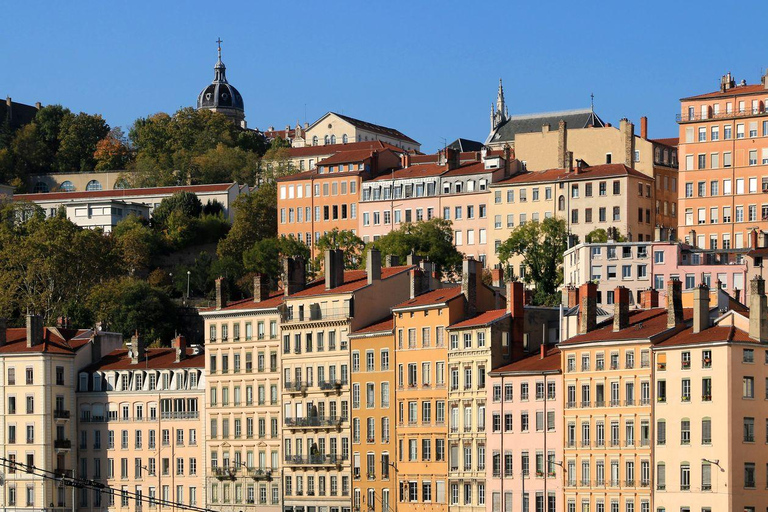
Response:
column 524, row 420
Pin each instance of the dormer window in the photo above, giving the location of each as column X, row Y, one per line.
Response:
column 457, row 187
column 97, row 382
column 83, row 382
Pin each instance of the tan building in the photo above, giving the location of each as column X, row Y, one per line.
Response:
column 141, row 428
column 333, row 128
column 243, row 412
column 318, row 397
column 78, row 181
column 39, row 367
column 374, row 482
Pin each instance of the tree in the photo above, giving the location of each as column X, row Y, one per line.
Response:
column 182, row 203
column 276, row 163
column 266, row 255
column 255, row 219
column 600, row 235
column 541, row 244
column 431, row 240
column 136, row 243
column 78, row 138
column 112, row 152
column 343, row 239
column 224, row 164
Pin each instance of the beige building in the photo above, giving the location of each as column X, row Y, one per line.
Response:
column 243, row 403
column 77, row 181
column 39, row 367
column 318, row 436
column 141, row 428
column 333, row 128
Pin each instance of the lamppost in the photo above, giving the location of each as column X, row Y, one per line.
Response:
column 188, row 274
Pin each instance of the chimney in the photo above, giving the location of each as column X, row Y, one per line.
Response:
column 692, row 238
column 579, row 165
column 260, row 287
column 588, row 307
column 294, row 275
column 413, row 259
column 700, row 308
column 3, row 335
column 334, row 268
column 628, row 138
column 180, row 344
column 497, row 275
column 674, row 303
column 452, row 158
column 469, row 277
column 644, row 128
column 34, row 330
column 38, row 105
column 758, row 310
column 516, row 309
column 373, row 266
column 543, row 350
column 416, row 281
column 137, row 349
column 737, row 294
column 562, row 145
column 221, row 293
column 8, row 102
column 405, row 160
column 620, row 308
column 649, row 298
column 507, row 157
column 573, row 296
column 657, row 234
column 392, row 260
column 753, row 238
column 569, row 161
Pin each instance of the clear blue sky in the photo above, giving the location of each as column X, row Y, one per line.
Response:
column 429, row 69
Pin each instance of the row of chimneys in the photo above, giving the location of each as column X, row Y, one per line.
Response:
column 9, row 103
column 757, row 238
column 138, row 350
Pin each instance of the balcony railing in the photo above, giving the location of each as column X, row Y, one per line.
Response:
column 62, row 444
column 295, row 386
column 317, row 313
column 698, row 116
column 314, row 421
column 60, row 414
column 313, row 460
column 329, row 385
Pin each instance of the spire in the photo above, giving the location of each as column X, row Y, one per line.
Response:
column 499, row 112
column 219, row 70
column 500, row 106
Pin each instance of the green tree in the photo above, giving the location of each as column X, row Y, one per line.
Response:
column 30, row 152
column 79, row 136
column 541, row 244
column 431, row 240
column 224, row 164
column 137, row 244
column 266, row 255
column 276, row 163
column 49, row 120
column 600, row 235
column 182, row 203
column 343, row 239
column 112, row 152
column 255, row 218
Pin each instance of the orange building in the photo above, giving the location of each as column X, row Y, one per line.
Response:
column 724, row 164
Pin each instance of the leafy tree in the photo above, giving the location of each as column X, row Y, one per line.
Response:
column 136, row 244
column 128, row 304
column 279, row 142
column 30, row 151
column 431, row 240
column 343, row 239
column 541, row 244
column 276, row 163
column 266, row 255
column 255, row 218
column 600, row 235
column 78, row 138
column 213, row 207
column 112, row 152
column 49, row 120
column 183, row 203
column 225, row 164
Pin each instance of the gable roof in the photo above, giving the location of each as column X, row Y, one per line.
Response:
column 365, row 125
column 431, row 298
column 738, row 90
column 353, row 281
column 534, row 363
column 55, row 341
column 343, row 157
column 466, row 145
column 481, row 320
column 334, row 148
column 531, row 123
column 156, row 359
column 643, row 324
column 383, row 326
column 271, row 302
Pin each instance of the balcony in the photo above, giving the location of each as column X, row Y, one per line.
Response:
column 260, row 474
column 329, row 385
column 61, row 414
column 314, row 422
column 297, row 386
column 224, row 473
column 313, row 460
column 698, row 116
column 317, row 313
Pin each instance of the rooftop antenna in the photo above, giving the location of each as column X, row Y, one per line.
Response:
column 592, row 98
column 445, row 143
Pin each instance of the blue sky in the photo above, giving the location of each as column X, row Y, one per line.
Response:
column 429, row 69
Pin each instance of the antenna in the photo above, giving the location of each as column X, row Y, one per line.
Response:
column 445, row 142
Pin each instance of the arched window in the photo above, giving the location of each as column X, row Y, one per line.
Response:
column 314, row 140
column 561, row 203
column 121, row 184
column 333, row 139
column 40, row 187
column 93, row 185
column 344, row 138
column 67, row 186
column 326, row 140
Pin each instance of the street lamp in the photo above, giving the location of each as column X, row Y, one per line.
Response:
column 716, row 462
column 188, row 274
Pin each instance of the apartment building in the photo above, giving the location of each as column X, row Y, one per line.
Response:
column 374, row 482
column 141, row 430
column 608, row 383
column 724, row 153
column 243, row 411
column 314, row 202
column 317, row 396
column 39, row 367
column 525, row 421
column 333, row 128
column 707, row 422
column 624, row 200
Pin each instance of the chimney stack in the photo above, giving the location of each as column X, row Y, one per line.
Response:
column 628, row 137
column 405, row 160
column 452, row 158
column 543, row 350
column 413, row 259
column 692, row 238
column 573, row 296
column 737, row 294
column 758, row 310
column 644, row 128
column 392, row 260
column 753, row 238
column 34, row 330
column 674, row 303
column 516, row 309
column 700, row 308
column 620, row 308
column 137, row 349
column 416, row 282
column 221, row 293
column 497, row 276
column 373, row 266
column 334, row 268
column 588, row 307
column 294, row 275
column 180, row 344
column 649, row 298
column 469, row 276
column 562, row 145
column 260, row 287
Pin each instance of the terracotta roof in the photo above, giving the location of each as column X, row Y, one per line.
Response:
column 274, row 300
column 738, row 90
column 414, row 171
column 533, row 363
column 643, row 324
column 471, row 168
column 126, row 192
column 383, row 130
column 55, row 341
column 157, row 359
column 283, row 134
column 670, row 141
column 590, row 173
column 435, row 297
column 353, row 281
column 713, row 334
column 306, row 175
column 330, row 149
column 481, row 320
column 386, row 324
column 343, row 157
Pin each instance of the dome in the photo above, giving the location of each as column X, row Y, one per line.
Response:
column 220, row 95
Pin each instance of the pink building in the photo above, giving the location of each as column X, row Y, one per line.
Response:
column 525, row 438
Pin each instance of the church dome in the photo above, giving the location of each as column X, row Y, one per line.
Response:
column 221, row 96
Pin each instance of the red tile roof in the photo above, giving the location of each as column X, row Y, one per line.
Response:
column 313, row 174
column 344, row 157
column 353, row 281
column 713, row 334
column 274, row 300
column 670, row 141
column 157, row 359
column 471, row 168
column 55, row 341
column 414, row 171
column 481, row 320
column 739, row 90
column 590, row 173
column 433, row 298
column 126, row 192
column 386, row 324
column 532, row 364
column 330, row 149
column 643, row 324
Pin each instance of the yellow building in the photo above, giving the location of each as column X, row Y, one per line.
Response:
column 141, row 428
column 39, row 367
column 243, row 412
